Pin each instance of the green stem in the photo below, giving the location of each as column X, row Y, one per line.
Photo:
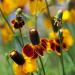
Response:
column 21, row 37
column 42, row 65
column 61, row 57
column 47, row 6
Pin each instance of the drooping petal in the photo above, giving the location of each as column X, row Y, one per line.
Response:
column 18, row 69
column 28, row 50
column 39, row 49
column 30, row 66
column 52, row 45
column 44, row 42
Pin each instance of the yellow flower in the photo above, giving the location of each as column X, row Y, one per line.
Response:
column 67, row 41
column 67, row 37
column 36, row 6
column 69, row 15
column 7, row 34
column 7, row 6
column 30, row 64
column 18, row 69
column 66, row 15
column 28, row 67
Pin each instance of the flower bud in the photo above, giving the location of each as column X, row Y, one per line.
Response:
column 17, row 57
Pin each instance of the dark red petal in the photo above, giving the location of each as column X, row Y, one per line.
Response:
column 16, row 25
column 20, row 24
column 57, row 40
column 39, row 49
column 58, row 49
column 64, row 46
column 28, row 50
column 35, row 55
column 52, row 45
column 44, row 43
column 13, row 21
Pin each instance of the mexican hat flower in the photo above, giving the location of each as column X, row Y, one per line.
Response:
column 38, row 46
column 18, row 22
column 22, row 65
column 35, row 49
column 67, row 41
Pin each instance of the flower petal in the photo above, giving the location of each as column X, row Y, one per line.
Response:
column 39, row 49
column 28, row 50
column 52, row 45
column 44, row 43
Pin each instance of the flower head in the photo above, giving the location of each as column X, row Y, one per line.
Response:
column 36, row 48
column 67, row 41
column 22, row 65
column 18, row 22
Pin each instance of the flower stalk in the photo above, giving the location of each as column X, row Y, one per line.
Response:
column 42, row 65
column 21, row 37
column 61, row 57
